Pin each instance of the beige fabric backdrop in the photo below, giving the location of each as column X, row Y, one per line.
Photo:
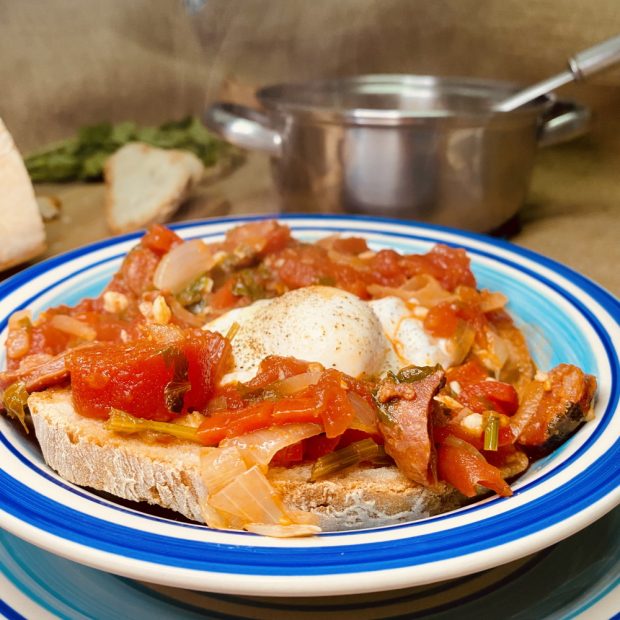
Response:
column 64, row 63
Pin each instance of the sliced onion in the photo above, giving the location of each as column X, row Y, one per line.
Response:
column 490, row 301
column 183, row 315
column 182, row 265
column 346, row 259
column 219, row 467
column 250, row 497
column 462, row 343
column 426, row 291
column 73, row 326
column 296, row 383
column 283, row 531
column 422, row 290
column 259, row 447
column 218, row 519
column 495, row 356
column 365, row 415
column 377, row 291
column 528, row 406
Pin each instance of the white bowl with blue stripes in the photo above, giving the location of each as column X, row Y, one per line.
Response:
column 567, row 317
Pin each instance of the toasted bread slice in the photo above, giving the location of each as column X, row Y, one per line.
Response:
column 21, row 227
column 82, row 451
column 145, row 184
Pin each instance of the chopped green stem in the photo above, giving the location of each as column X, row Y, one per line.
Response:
column 355, row 453
column 491, row 433
column 122, row 422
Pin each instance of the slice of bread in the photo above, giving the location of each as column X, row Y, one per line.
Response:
column 21, row 227
column 82, row 451
column 145, row 184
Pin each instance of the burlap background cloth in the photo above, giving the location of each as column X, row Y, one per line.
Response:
column 66, row 63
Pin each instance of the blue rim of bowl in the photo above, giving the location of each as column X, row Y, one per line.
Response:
column 595, row 484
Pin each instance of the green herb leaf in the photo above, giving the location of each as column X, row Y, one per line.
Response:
column 179, row 385
column 193, row 293
column 248, row 284
column 174, row 393
column 83, row 157
column 411, row 374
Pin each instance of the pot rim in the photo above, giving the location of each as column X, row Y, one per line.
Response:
column 326, row 100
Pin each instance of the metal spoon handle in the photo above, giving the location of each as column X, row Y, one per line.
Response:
column 595, row 59
column 581, row 65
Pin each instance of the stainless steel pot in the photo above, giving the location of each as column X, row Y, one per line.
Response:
column 417, row 147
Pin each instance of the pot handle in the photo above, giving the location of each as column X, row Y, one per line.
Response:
column 244, row 127
column 566, row 120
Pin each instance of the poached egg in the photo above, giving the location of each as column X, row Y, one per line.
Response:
column 333, row 327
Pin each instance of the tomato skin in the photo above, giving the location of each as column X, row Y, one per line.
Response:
column 490, row 395
column 464, row 469
column 133, row 377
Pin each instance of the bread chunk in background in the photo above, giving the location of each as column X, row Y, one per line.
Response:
column 22, row 235
column 145, row 184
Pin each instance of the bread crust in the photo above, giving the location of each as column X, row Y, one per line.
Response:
column 83, row 452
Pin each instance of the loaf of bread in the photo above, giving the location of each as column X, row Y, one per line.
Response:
column 22, row 234
column 82, row 451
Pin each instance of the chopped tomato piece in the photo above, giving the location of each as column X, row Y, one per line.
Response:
column 337, row 411
column 263, row 237
column 235, row 423
column 449, row 266
column 318, row 446
column 296, row 411
column 136, row 273
column 464, row 467
column 442, row 320
column 470, row 372
column 386, row 267
column 275, row 368
column 288, row 456
column 350, row 245
column 146, row 379
column 224, row 297
column 160, row 239
column 490, row 395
